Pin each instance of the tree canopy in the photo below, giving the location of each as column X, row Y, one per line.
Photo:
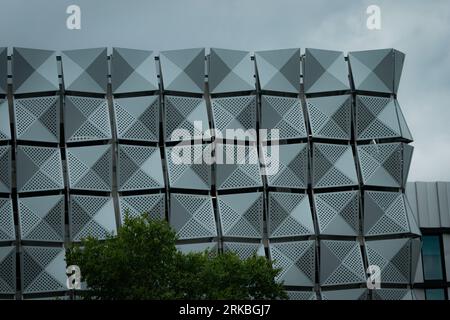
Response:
column 142, row 262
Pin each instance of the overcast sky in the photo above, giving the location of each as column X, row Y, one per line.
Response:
column 421, row 29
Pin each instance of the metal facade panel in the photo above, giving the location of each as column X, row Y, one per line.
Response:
column 39, row 169
column 91, row 216
column 5, row 169
column 186, row 167
column 86, row 119
column 5, row 128
column 347, row 294
column 7, row 230
column 243, row 172
column 330, row 117
column 8, row 270
column 279, row 70
column 333, row 166
column 34, row 70
column 325, row 70
column 43, row 269
column 183, row 70
column 139, row 168
column 392, row 294
column 133, row 70
column 297, row 260
column 37, row 119
column 85, row 70
column 186, row 118
column 137, row 118
column 241, row 215
column 428, row 214
column 151, row 204
column 292, row 166
column 230, row 71
column 90, row 167
column 443, row 189
column 376, row 70
column 341, row 263
column 289, row 215
column 3, row 70
column 385, row 164
column 192, row 216
column 283, row 114
column 301, row 295
column 394, row 257
column 235, row 113
column 42, row 218
column 338, row 213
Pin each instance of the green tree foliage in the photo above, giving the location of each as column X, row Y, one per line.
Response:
column 142, row 262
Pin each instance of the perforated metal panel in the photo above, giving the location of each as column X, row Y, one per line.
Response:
column 338, row 213
column 244, row 250
column 5, row 129
column 385, row 213
column 43, row 269
column 279, row 70
column 183, row 70
column 38, row 169
column 186, row 118
column 192, row 216
column 187, row 168
column 333, row 166
column 42, row 218
column 392, row 294
column 241, row 215
column 346, row 294
column 394, row 257
column 292, row 165
column 91, row 216
column 139, row 168
column 242, row 171
column 5, row 169
column 151, row 204
column 7, row 270
column 133, row 70
column 7, row 230
column 137, row 118
column 385, row 164
column 235, row 113
column 86, row 119
column 34, row 70
column 85, row 70
column 340, row 263
column 90, row 168
column 289, row 215
column 378, row 118
column 37, row 119
column 301, row 295
column 230, row 71
column 325, row 70
column 297, row 261
column 330, row 117
column 283, row 114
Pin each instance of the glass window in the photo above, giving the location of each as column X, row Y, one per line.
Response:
column 431, row 255
column 435, row 294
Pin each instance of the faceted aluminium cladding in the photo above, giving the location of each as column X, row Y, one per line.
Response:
column 88, row 150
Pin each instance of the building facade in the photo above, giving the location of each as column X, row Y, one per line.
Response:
column 87, row 135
